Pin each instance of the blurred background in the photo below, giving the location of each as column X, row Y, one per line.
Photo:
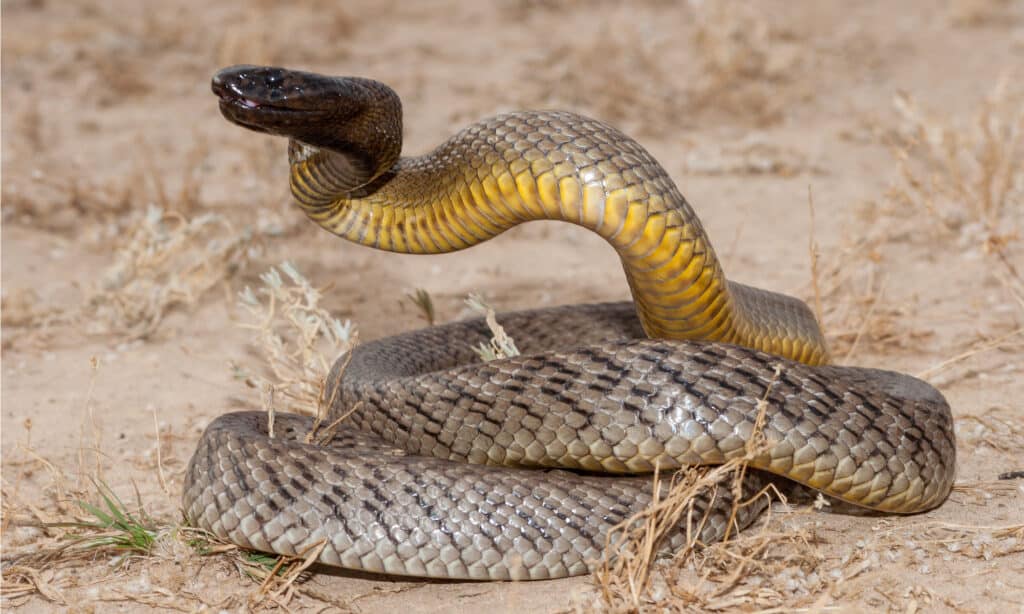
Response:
column 864, row 156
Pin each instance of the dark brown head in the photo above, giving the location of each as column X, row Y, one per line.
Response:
column 358, row 118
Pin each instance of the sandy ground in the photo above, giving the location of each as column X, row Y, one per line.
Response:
column 107, row 114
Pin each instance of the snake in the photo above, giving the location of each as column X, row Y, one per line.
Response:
column 523, row 467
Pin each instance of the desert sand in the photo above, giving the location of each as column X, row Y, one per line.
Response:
column 866, row 157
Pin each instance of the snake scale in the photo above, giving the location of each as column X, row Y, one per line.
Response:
column 518, row 468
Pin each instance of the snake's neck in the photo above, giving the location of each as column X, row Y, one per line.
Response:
column 555, row 166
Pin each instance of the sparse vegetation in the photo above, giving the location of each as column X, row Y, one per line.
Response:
column 167, row 262
column 131, row 213
column 298, row 341
column 500, row 345
column 114, row 525
column 421, row 299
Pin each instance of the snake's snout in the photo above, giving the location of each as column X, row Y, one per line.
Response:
column 256, row 86
column 280, row 89
column 267, row 98
column 358, row 118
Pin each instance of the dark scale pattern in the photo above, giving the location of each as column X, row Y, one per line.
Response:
column 623, row 403
column 589, row 392
column 385, row 511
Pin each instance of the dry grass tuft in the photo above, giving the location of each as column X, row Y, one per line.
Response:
column 927, row 542
column 856, row 312
column 279, row 581
column 967, row 177
column 775, row 566
column 626, row 572
column 726, row 60
column 500, row 345
column 27, row 318
column 297, row 339
column 99, row 209
column 961, row 187
column 977, row 542
column 1011, row 343
column 168, row 262
column 62, row 203
column 645, row 99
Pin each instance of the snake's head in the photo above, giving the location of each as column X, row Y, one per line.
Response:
column 282, row 101
column 349, row 115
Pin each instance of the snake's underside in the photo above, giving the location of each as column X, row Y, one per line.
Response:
column 449, row 467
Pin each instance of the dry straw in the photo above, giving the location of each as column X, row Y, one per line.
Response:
column 500, row 345
column 632, row 546
column 298, row 341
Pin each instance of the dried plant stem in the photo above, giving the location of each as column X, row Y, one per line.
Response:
column 501, row 345
column 973, row 351
column 632, row 545
column 812, row 249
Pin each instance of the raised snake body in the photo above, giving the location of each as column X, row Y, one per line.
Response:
column 672, row 379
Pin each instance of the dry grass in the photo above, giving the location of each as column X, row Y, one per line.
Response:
column 54, row 539
column 109, row 552
column 967, row 177
column 297, row 340
column 747, row 61
column 168, row 262
column 279, row 582
column 98, row 209
column 781, row 566
column 28, row 318
column 775, row 566
column 624, row 576
column 62, row 203
column 857, row 314
column 78, row 526
column 166, row 259
column 500, row 344
column 645, row 100
column 961, row 182
column 958, row 197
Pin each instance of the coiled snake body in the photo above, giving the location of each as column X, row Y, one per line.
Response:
column 439, row 470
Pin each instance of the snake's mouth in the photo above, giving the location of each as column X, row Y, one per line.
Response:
column 261, row 98
column 250, row 113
